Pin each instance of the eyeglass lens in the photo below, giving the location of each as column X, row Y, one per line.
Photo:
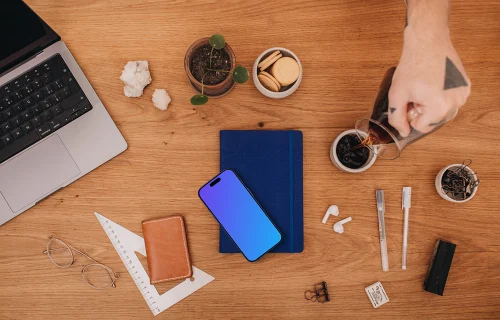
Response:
column 60, row 253
column 97, row 276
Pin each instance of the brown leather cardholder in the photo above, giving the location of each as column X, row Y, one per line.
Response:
column 166, row 249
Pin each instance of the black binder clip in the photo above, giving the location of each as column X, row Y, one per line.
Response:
column 319, row 294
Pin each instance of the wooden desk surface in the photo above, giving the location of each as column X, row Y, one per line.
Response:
column 345, row 47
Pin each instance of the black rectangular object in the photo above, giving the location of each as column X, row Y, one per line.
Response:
column 25, row 122
column 24, row 34
column 439, row 267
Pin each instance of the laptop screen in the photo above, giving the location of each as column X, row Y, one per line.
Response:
column 22, row 33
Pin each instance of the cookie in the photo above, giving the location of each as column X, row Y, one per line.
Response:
column 286, row 70
column 266, row 60
column 268, row 83
column 270, row 62
column 265, row 74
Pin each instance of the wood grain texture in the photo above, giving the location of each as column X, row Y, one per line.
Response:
column 345, row 47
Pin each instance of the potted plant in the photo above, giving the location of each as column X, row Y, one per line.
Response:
column 210, row 65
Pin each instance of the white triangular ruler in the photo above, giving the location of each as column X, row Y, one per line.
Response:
column 125, row 243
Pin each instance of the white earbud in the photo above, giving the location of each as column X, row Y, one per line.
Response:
column 339, row 226
column 333, row 210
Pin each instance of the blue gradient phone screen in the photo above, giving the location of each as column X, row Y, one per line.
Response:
column 240, row 215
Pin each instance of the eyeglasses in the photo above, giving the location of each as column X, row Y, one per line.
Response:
column 96, row 275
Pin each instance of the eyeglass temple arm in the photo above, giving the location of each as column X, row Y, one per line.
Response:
column 105, row 266
column 116, row 275
column 73, row 249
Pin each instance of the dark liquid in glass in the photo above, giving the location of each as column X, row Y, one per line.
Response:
column 376, row 134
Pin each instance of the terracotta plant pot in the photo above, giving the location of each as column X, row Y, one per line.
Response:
column 217, row 90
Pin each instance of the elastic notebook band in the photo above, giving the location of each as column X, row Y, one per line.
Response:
column 290, row 170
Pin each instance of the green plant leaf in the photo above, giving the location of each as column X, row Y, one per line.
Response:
column 240, row 74
column 217, row 41
column 199, row 99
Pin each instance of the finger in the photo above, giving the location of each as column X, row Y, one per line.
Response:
column 413, row 112
column 398, row 106
column 431, row 117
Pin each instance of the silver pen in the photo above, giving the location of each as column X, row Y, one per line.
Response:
column 406, row 207
column 381, row 229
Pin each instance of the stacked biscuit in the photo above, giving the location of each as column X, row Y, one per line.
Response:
column 281, row 71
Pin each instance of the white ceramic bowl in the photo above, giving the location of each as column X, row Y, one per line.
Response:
column 285, row 90
column 439, row 185
column 336, row 161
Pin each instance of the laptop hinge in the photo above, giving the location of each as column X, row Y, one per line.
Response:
column 23, row 60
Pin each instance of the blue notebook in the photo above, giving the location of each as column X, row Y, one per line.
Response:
column 270, row 165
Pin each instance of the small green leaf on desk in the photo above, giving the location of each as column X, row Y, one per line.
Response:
column 240, row 74
column 199, row 99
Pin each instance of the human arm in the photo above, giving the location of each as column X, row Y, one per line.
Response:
column 430, row 76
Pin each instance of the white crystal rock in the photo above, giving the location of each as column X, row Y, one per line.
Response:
column 136, row 77
column 161, row 99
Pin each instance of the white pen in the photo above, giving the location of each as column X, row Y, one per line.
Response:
column 406, row 207
column 381, row 229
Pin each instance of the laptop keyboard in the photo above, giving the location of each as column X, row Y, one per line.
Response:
column 37, row 103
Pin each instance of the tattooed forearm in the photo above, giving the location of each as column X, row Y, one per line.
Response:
column 428, row 16
column 453, row 78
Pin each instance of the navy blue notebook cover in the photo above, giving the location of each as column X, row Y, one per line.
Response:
column 270, row 165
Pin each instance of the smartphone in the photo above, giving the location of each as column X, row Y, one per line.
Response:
column 237, row 211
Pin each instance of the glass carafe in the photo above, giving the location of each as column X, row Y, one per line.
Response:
column 383, row 139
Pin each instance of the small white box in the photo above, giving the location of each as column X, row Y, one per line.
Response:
column 376, row 294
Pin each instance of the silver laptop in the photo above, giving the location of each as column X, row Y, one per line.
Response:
column 53, row 127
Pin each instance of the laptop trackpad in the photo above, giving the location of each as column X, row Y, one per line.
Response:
column 36, row 173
